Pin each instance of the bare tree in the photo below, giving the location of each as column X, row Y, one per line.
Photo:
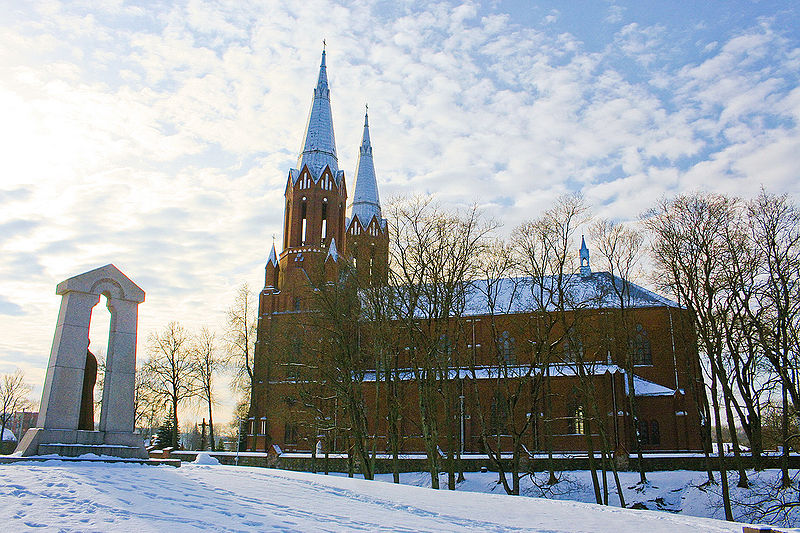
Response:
column 620, row 249
column 545, row 250
column 432, row 255
column 512, row 368
column 690, row 253
column 774, row 223
column 13, row 397
column 172, row 370
column 150, row 408
column 240, row 336
column 207, row 364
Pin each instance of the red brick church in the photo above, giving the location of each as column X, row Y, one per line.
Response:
column 324, row 229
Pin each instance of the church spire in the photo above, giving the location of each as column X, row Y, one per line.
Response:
column 584, row 255
column 319, row 145
column 366, row 203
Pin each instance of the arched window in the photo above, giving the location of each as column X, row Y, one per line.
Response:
column 576, row 420
column 640, row 347
column 290, row 433
column 303, row 216
column 644, row 434
column 655, row 433
column 572, row 348
column 286, row 217
column 445, row 347
column 506, row 347
column 498, row 415
column 293, row 359
column 324, row 220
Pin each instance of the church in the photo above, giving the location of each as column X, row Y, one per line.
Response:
column 649, row 394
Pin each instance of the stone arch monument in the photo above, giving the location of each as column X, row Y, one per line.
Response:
column 62, row 423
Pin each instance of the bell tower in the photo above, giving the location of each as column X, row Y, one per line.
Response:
column 366, row 232
column 315, row 200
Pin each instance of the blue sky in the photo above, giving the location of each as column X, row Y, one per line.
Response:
column 158, row 135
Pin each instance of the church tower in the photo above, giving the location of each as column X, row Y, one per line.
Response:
column 314, row 216
column 367, row 237
column 317, row 238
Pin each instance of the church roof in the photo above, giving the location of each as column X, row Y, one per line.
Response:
column 595, row 291
column 319, row 146
column 273, row 256
column 523, row 295
column 365, row 204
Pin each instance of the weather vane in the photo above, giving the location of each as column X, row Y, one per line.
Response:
column 323, row 45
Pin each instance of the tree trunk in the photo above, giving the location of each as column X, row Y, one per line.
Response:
column 211, row 440
column 175, row 423
column 756, row 443
column 743, row 482
column 786, row 481
column 592, row 466
column 726, row 495
column 634, row 418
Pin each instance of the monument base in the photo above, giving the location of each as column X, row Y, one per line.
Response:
column 74, row 443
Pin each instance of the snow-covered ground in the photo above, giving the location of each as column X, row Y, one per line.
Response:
column 61, row 496
column 679, row 492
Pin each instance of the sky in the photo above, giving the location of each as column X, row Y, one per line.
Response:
column 158, row 136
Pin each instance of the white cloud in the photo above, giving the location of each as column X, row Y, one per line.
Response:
column 160, row 139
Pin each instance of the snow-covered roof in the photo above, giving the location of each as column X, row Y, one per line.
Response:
column 510, row 371
column 366, row 203
column 645, row 387
column 332, row 252
column 593, row 291
column 642, row 386
column 319, row 145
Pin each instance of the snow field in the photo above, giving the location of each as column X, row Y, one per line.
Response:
column 60, row 496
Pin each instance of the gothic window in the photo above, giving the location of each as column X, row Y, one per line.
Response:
column 644, row 434
column 506, row 345
column 655, row 434
column 296, row 303
column 294, row 357
column 251, row 426
column 324, row 219
column 263, row 429
column 371, row 263
column 640, row 347
column 303, row 216
column 576, row 419
column 290, row 433
column 445, row 347
column 286, row 225
column 498, row 415
column 572, row 348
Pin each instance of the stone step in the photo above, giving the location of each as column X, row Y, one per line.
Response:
column 76, row 450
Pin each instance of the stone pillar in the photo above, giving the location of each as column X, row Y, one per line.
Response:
column 118, row 411
column 63, row 386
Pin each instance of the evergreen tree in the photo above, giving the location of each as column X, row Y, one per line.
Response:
column 166, row 434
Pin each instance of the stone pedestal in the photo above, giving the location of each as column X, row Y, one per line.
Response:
column 57, row 426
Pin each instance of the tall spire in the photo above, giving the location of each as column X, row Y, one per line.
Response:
column 319, row 145
column 366, row 203
column 584, row 254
